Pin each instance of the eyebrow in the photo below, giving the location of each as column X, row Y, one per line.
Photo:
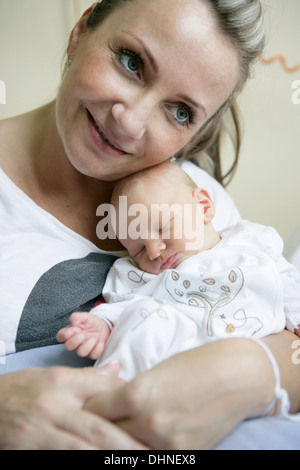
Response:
column 146, row 51
column 189, row 100
column 154, row 65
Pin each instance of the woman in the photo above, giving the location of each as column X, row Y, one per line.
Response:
column 143, row 81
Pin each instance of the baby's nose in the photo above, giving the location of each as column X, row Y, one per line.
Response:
column 155, row 248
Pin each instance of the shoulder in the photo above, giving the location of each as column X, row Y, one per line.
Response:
column 261, row 237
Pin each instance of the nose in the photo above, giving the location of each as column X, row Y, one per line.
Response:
column 154, row 248
column 133, row 118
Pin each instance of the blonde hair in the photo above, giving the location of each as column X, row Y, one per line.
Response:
column 242, row 22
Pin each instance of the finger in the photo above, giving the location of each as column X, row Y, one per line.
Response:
column 61, row 336
column 86, row 346
column 88, row 429
column 56, row 439
column 97, row 350
column 88, row 382
column 75, row 341
column 79, row 317
column 65, row 333
column 48, row 438
column 110, row 405
column 98, row 432
column 110, row 369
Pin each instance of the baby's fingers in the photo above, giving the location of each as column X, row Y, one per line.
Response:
column 75, row 341
column 66, row 333
column 86, row 347
column 97, row 350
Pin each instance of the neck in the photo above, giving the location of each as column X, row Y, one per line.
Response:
column 40, row 167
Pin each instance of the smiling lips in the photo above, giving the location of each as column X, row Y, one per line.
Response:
column 102, row 140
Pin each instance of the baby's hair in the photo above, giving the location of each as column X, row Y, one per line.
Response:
column 157, row 172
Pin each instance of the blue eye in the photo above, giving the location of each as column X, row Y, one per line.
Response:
column 181, row 114
column 130, row 61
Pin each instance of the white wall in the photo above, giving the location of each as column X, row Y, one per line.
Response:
column 266, row 188
column 33, row 38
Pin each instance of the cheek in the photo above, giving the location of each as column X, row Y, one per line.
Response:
column 94, row 82
column 163, row 142
column 144, row 264
column 93, row 72
column 180, row 245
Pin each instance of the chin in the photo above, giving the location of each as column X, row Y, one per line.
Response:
column 91, row 167
column 150, row 270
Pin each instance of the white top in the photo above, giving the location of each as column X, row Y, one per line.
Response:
column 47, row 271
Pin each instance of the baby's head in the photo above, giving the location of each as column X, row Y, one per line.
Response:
column 168, row 219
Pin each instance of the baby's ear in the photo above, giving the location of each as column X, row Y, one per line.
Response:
column 202, row 197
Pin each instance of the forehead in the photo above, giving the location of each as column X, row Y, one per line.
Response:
column 186, row 44
column 158, row 188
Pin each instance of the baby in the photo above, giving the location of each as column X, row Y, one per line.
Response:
column 183, row 284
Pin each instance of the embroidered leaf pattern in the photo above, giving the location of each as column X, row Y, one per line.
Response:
column 225, row 288
column 162, row 314
column 179, row 292
column 232, row 277
column 135, row 277
column 145, row 313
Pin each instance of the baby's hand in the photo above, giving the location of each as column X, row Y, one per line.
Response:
column 297, row 331
column 86, row 333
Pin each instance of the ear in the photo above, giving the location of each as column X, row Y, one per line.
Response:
column 202, row 197
column 78, row 30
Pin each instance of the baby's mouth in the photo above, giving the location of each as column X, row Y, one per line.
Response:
column 168, row 262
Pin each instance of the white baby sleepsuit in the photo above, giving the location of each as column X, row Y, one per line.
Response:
column 243, row 287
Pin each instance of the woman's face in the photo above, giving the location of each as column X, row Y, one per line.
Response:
column 141, row 85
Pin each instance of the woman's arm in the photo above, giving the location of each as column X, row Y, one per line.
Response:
column 42, row 410
column 282, row 348
column 195, row 399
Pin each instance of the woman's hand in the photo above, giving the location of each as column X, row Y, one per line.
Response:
column 42, row 409
column 194, row 399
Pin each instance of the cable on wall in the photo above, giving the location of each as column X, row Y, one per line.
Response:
column 282, row 60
